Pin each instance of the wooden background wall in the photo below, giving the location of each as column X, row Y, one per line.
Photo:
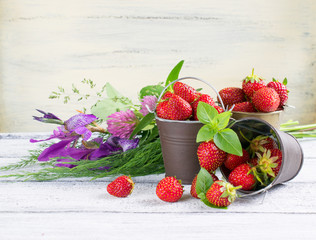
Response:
column 45, row 44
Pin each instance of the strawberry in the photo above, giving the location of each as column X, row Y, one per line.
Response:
column 185, row 91
column 266, row 100
column 251, row 84
column 221, row 193
column 281, row 89
column 232, row 161
column 210, row 156
column 169, row 189
column 253, row 161
column 203, row 98
column 167, row 95
column 244, row 107
column 121, row 186
column 231, row 96
column 242, row 176
column 219, row 109
column 268, row 165
column 193, row 190
column 261, row 143
column 162, row 109
column 179, row 109
column 276, row 153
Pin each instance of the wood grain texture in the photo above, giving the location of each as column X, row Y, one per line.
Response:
column 45, row 44
column 82, row 209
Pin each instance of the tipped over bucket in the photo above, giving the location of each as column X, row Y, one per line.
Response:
column 292, row 153
column 179, row 148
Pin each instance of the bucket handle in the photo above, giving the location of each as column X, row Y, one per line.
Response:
column 192, row 78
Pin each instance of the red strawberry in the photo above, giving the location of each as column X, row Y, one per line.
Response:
column 169, row 189
column 231, row 95
column 193, row 190
column 179, row 109
column 253, row 161
column 210, row 156
column 162, row 109
column 221, row 194
column 232, row 161
column 251, row 84
column 266, row 100
column 281, row 89
column 167, row 95
column 185, row 91
column 244, row 107
column 121, row 186
column 268, row 166
column 260, row 144
column 203, row 98
column 219, row 109
column 242, row 176
column 276, row 153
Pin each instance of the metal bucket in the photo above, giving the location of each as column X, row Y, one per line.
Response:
column 274, row 118
column 179, row 148
column 178, row 143
column 292, row 153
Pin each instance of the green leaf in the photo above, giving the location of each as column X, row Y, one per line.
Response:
column 228, row 141
column 150, row 90
column 206, row 113
column 222, row 120
column 285, row 81
column 112, row 92
column 174, row 74
column 203, row 182
column 143, row 123
column 206, row 133
column 106, row 107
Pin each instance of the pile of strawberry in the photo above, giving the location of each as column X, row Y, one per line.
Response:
column 180, row 103
column 255, row 95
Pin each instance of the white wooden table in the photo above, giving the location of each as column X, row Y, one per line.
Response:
column 82, row 209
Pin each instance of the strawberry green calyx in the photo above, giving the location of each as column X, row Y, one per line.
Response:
column 265, row 166
column 252, row 78
column 229, row 191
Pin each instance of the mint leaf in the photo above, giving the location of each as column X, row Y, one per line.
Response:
column 106, row 107
column 154, row 90
column 203, row 182
column 222, row 120
column 285, row 81
column 174, row 74
column 228, row 141
column 112, row 92
column 206, row 113
column 206, row 133
column 143, row 123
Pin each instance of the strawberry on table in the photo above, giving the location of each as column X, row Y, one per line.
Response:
column 210, row 156
column 121, row 186
column 169, row 189
column 251, row 84
column 266, row 100
column 281, row 89
column 193, row 185
column 185, row 91
column 221, row 193
column 242, row 176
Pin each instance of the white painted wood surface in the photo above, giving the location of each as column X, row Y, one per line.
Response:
column 45, row 44
column 82, row 209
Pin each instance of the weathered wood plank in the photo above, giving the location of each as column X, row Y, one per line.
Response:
column 100, row 225
column 23, row 197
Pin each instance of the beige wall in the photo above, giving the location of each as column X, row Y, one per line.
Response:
column 45, row 44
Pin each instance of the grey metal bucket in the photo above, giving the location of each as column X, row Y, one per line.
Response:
column 178, row 143
column 292, row 153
